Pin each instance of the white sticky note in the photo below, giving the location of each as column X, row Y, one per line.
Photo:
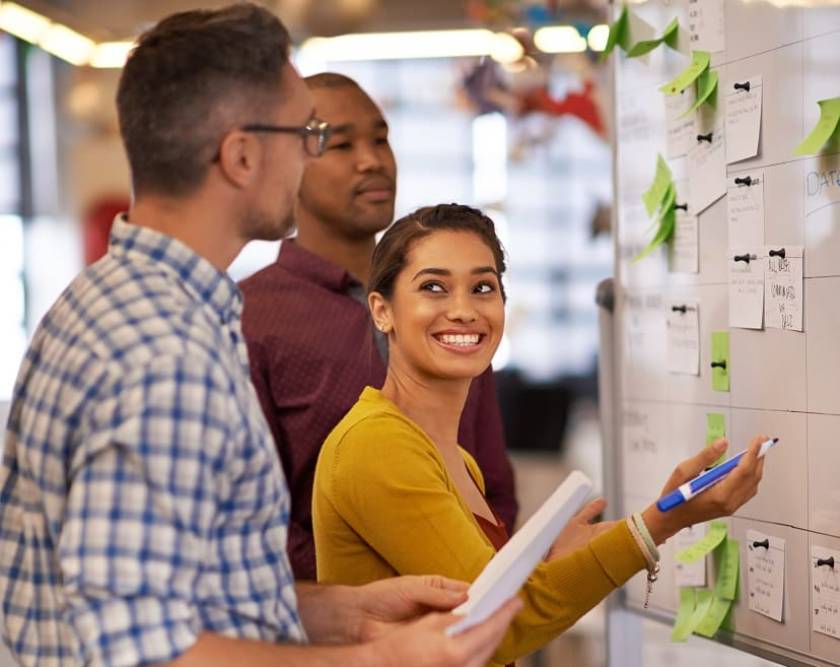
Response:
column 783, row 287
column 746, row 287
column 825, row 591
column 683, row 326
column 705, row 25
column 683, row 255
column 743, row 119
column 745, row 209
column 690, row 574
column 680, row 129
column 706, row 169
column 766, row 574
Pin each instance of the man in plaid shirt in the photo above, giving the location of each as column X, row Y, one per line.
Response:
column 143, row 511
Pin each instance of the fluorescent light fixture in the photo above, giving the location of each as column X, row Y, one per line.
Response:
column 67, row 44
column 404, row 45
column 559, row 39
column 597, row 37
column 506, row 48
column 22, row 22
column 111, row 54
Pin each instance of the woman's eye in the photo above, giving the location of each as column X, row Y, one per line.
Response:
column 382, row 141
column 485, row 288
column 433, row 287
column 345, row 145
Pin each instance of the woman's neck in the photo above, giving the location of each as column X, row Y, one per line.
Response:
column 435, row 405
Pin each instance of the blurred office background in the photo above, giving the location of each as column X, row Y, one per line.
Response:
column 514, row 121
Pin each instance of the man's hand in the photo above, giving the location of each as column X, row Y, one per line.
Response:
column 580, row 530
column 386, row 604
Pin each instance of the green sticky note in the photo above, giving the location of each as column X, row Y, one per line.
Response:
column 667, row 225
column 699, row 64
column 712, row 619
column 726, row 583
column 707, row 84
column 682, row 627
column 648, row 45
column 619, row 34
column 715, row 430
column 662, row 179
column 825, row 127
column 705, row 598
column 720, row 359
column 713, row 537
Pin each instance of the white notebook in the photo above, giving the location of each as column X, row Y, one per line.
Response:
column 510, row 567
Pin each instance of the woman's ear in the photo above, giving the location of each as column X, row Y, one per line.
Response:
column 380, row 311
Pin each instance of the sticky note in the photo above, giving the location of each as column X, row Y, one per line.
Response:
column 720, row 357
column 825, row 127
column 644, row 46
column 655, row 194
column 714, row 616
column 699, row 64
column 728, row 560
column 690, row 574
column 707, row 84
column 667, row 223
column 619, row 34
column 684, row 256
column 715, row 430
column 682, row 624
column 705, row 598
column 714, row 536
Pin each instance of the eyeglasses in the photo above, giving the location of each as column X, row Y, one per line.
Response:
column 315, row 134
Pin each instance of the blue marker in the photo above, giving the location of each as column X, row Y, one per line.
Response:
column 702, row 482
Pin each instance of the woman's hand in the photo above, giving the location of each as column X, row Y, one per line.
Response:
column 580, row 530
column 722, row 499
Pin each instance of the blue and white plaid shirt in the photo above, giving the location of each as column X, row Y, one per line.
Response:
column 141, row 497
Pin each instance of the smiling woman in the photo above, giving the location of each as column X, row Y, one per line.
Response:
column 395, row 493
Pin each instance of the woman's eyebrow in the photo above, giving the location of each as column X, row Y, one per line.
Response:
column 434, row 271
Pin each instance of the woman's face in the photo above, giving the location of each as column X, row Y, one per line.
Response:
column 446, row 316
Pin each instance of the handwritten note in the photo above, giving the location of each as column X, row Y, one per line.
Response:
column 783, row 288
column 683, row 338
column 697, row 551
column 690, row 574
column 766, row 574
column 746, row 287
column 745, row 209
column 684, row 255
column 825, row 591
column 720, row 360
column 707, row 169
column 728, row 567
column 682, row 624
column 743, row 119
column 705, row 25
column 680, row 132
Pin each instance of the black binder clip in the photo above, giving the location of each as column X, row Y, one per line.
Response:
column 763, row 543
column 719, row 364
column 743, row 86
column 826, row 561
column 681, row 207
column 777, row 253
column 746, row 180
column 705, row 137
column 746, row 257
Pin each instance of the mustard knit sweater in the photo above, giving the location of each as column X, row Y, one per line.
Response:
column 383, row 504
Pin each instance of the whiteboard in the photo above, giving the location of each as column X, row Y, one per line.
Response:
column 784, row 383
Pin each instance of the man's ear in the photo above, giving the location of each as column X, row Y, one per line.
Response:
column 380, row 311
column 240, row 155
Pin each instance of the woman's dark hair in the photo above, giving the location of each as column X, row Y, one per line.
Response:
column 190, row 79
column 390, row 255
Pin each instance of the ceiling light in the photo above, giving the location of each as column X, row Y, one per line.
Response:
column 111, row 54
column 401, row 45
column 506, row 48
column 67, row 44
column 559, row 39
column 597, row 37
column 22, row 22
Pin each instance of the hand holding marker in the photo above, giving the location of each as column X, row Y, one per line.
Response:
column 706, row 480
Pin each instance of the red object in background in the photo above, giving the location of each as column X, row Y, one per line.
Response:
column 97, row 225
column 581, row 105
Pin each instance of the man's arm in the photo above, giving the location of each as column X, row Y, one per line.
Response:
column 482, row 434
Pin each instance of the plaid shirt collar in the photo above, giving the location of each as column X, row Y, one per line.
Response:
column 199, row 277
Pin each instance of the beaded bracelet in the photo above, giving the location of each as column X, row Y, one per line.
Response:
column 651, row 557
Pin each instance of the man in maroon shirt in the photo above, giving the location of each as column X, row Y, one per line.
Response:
column 311, row 343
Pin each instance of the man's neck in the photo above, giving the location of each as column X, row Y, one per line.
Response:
column 192, row 222
column 354, row 256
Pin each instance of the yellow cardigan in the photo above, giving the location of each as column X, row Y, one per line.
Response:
column 383, row 504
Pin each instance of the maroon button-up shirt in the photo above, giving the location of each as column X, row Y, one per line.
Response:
column 312, row 350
